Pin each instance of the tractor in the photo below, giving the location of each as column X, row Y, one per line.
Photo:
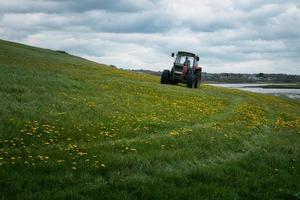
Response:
column 185, row 70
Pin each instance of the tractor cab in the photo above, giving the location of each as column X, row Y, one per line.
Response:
column 184, row 62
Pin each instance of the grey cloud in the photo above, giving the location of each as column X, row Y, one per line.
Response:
column 248, row 5
column 144, row 32
column 30, row 6
column 115, row 6
column 143, row 22
column 62, row 6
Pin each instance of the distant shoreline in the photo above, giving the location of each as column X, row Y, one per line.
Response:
column 277, row 86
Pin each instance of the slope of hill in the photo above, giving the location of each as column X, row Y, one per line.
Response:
column 75, row 129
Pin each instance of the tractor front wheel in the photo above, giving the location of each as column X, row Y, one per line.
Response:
column 165, row 76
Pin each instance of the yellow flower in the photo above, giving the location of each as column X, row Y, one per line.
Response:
column 40, row 157
column 174, row 133
column 81, row 153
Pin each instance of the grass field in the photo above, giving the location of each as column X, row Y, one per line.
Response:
column 75, row 129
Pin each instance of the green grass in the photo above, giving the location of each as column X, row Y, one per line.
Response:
column 75, row 129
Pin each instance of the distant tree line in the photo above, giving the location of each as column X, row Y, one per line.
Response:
column 239, row 78
column 250, row 78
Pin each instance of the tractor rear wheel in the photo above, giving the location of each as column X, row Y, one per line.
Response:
column 191, row 81
column 197, row 80
column 165, row 76
column 196, row 83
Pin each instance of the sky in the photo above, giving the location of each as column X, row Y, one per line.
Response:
column 239, row 36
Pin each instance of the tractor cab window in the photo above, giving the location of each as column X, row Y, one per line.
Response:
column 185, row 60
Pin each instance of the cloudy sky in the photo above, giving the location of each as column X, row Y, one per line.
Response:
column 229, row 35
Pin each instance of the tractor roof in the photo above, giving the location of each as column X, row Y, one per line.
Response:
column 184, row 53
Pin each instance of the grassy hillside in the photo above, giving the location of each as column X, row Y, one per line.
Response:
column 74, row 129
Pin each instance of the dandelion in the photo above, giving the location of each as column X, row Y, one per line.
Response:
column 174, row 133
column 81, row 153
column 40, row 157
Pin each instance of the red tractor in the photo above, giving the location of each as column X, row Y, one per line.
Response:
column 185, row 70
